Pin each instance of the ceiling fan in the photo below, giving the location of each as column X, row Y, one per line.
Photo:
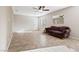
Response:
column 41, row 8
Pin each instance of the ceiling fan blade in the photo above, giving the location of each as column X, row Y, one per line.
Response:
column 40, row 8
column 45, row 9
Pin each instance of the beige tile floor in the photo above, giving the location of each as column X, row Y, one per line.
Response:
column 37, row 39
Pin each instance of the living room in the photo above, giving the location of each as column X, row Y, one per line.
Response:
column 29, row 28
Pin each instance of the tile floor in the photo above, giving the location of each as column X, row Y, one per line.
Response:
column 37, row 39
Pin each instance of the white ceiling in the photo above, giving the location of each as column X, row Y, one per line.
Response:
column 29, row 11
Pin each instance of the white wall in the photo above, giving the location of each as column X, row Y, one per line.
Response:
column 5, row 27
column 24, row 23
column 10, row 18
column 30, row 23
column 71, row 19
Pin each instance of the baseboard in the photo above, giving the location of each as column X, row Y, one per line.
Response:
column 73, row 37
column 22, row 31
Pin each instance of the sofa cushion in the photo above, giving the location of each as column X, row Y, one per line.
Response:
column 59, row 32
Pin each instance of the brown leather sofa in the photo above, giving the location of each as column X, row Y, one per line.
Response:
column 60, row 32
